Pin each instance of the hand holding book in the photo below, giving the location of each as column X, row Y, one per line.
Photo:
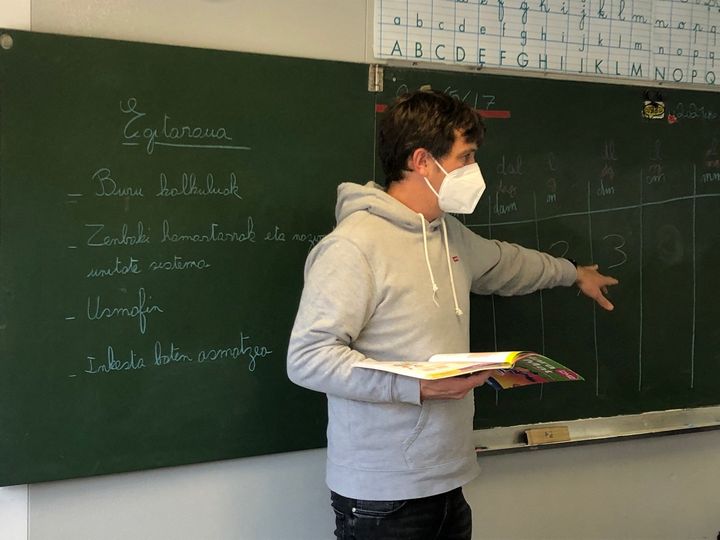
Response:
column 452, row 387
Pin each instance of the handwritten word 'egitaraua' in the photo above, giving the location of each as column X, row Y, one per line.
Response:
column 96, row 311
column 214, row 234
column 166, row 132
column 188, row 187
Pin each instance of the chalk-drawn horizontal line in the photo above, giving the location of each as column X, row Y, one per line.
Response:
column 217, row 146
column 74, row 194
column 181, row 145
column 592, row 212
column 69, row 318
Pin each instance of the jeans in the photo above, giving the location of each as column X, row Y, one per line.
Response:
column 440, row 517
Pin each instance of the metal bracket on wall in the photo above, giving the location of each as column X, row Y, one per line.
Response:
column 375, row 78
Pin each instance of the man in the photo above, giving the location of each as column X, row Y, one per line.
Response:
column 392, row 282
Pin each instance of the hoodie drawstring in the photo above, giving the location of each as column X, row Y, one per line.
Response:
column 458, row 311
column 427, row 261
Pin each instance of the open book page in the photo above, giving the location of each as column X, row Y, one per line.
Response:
column 494, row 358
column 510, row 369
column 429, row 370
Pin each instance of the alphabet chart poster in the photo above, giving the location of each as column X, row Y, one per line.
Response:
column 653, row 41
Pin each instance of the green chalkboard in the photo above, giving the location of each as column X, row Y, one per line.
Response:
column 156, row 207
column 575, row 169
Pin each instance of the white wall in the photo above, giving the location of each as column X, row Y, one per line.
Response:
column 329, row 29
column 15, row 14
column 13, row 512
column 658, row 488
column 266, row 497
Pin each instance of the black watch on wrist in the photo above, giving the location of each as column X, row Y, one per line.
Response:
column 573, row 261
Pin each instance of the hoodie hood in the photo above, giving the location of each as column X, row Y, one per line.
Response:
column 372, row 198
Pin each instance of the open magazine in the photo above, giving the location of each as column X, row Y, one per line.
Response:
column 510, row 369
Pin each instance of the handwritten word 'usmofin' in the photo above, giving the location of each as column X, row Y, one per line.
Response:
column 96, row 310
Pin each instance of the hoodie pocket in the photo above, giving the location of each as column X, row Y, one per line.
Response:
column 441, row 435
column 416, row 431
column 372, row 436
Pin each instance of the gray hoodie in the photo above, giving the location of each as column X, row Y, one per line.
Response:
column 387, row 285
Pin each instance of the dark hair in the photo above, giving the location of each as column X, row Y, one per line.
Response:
column 423, row 119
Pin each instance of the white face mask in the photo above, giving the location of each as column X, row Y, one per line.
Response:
column 460, row 190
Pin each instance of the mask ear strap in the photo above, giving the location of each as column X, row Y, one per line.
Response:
column 438, row 164
column 428, row 181
column 430, row 186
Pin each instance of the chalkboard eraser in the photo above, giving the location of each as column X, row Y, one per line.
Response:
column 547, row 435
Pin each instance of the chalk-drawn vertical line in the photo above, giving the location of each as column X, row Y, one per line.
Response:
column 537, row 246
column 492, row 296
column 542, row 307
column 694, row 279
column 492, row 302
column 640, row 340
column 594, row 310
